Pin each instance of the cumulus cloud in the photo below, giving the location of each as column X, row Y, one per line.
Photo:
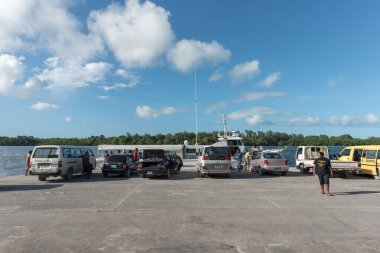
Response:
column 270, row 79
column 11, row 69
column 75, row 75
column 244, row 71
column 67, row 119
column 43, row 106
column 258, row 95
column 255, row 120
column 46, row 25
column 137, row 33
column 144, row 111
column 354, row 120
column 103, row 97
column 215, row 107
column 188, row 53
column 308, row 121
column 117, row 86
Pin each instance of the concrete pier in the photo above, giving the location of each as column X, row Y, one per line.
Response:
column 244, row 213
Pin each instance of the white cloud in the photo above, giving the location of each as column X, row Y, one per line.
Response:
column 75, row 76
column 68, row 119
column 32, row 86
column 252, row 111
column 144, row 111
column 11, row 69
column 117, row 86
column 45, row 25
column 271, row 79
column 371, row 119
column 308, row 121
column 216, row 76
column 244, row 71
column 258, row 95
column 343, row 120
column 215, row 107
column 255, row 120
column 43, row 106
column 103, row 97
column 128, row 75
column 137, row 33
column 188, row 53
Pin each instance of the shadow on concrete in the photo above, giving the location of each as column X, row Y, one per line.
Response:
column 26, row 187
column 356, row 193
column 95, row 177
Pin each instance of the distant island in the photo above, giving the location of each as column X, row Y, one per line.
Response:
column 250, row 138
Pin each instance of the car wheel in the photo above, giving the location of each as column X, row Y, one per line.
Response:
column 129, row 173
column 42, row 178
column 227, row 174
column 105, row 175
column 302, row 169
column 69, row 174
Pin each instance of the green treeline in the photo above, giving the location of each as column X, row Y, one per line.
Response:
column 250, row 138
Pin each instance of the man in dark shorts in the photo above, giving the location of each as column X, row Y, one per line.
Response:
column 322, row 168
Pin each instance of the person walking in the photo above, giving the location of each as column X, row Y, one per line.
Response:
column 28, row 162
column 322, row 167
column 247, row 160
column 239, row 158
column 86, row 164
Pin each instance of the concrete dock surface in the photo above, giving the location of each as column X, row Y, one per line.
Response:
column 244, row 213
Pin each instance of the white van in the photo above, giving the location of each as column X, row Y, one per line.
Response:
column 57, row 160
column 306, row 155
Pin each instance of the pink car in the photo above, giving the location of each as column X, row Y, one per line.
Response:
column 269, row 161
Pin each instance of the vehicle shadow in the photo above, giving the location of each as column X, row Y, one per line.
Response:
column 183, row 175
column 95, row 177
column 357, row 193
column 27, row 187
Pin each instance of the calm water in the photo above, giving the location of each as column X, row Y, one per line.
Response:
column 12, row 159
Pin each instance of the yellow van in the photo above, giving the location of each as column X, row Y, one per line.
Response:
column 368, row 155
column 352, row 153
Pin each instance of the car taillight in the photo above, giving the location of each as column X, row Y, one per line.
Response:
column 227, row 158
column 266, row 162
column 60, row 165
column 286, row 162
column 205, row 158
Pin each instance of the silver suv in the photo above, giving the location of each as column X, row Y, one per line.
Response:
column 269, row 161
column 214, row 160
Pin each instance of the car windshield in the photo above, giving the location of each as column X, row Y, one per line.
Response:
column 217, row 152
column 117, row 158
column 46, row 153
column 272, row 156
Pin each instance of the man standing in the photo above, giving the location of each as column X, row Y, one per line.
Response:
column 28, row 162
column 239, row 158
column 247, row 160
column 322, row 168
column 86, row 164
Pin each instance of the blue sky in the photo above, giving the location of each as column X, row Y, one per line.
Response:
column 82, row 68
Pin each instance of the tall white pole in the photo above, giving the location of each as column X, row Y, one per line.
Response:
column 196, row 105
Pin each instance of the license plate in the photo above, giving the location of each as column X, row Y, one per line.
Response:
column 216, row 166
column 113, row 166
column 149, row 173
column 277, row 168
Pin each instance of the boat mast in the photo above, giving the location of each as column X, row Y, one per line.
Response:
column 196, row 105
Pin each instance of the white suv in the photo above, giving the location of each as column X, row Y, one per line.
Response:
column 214, row 160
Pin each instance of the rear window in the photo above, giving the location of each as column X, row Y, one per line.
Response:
column 46, row 153
column 117, row 158
column 272, row 156
column 154, row 153
column 217, row 152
